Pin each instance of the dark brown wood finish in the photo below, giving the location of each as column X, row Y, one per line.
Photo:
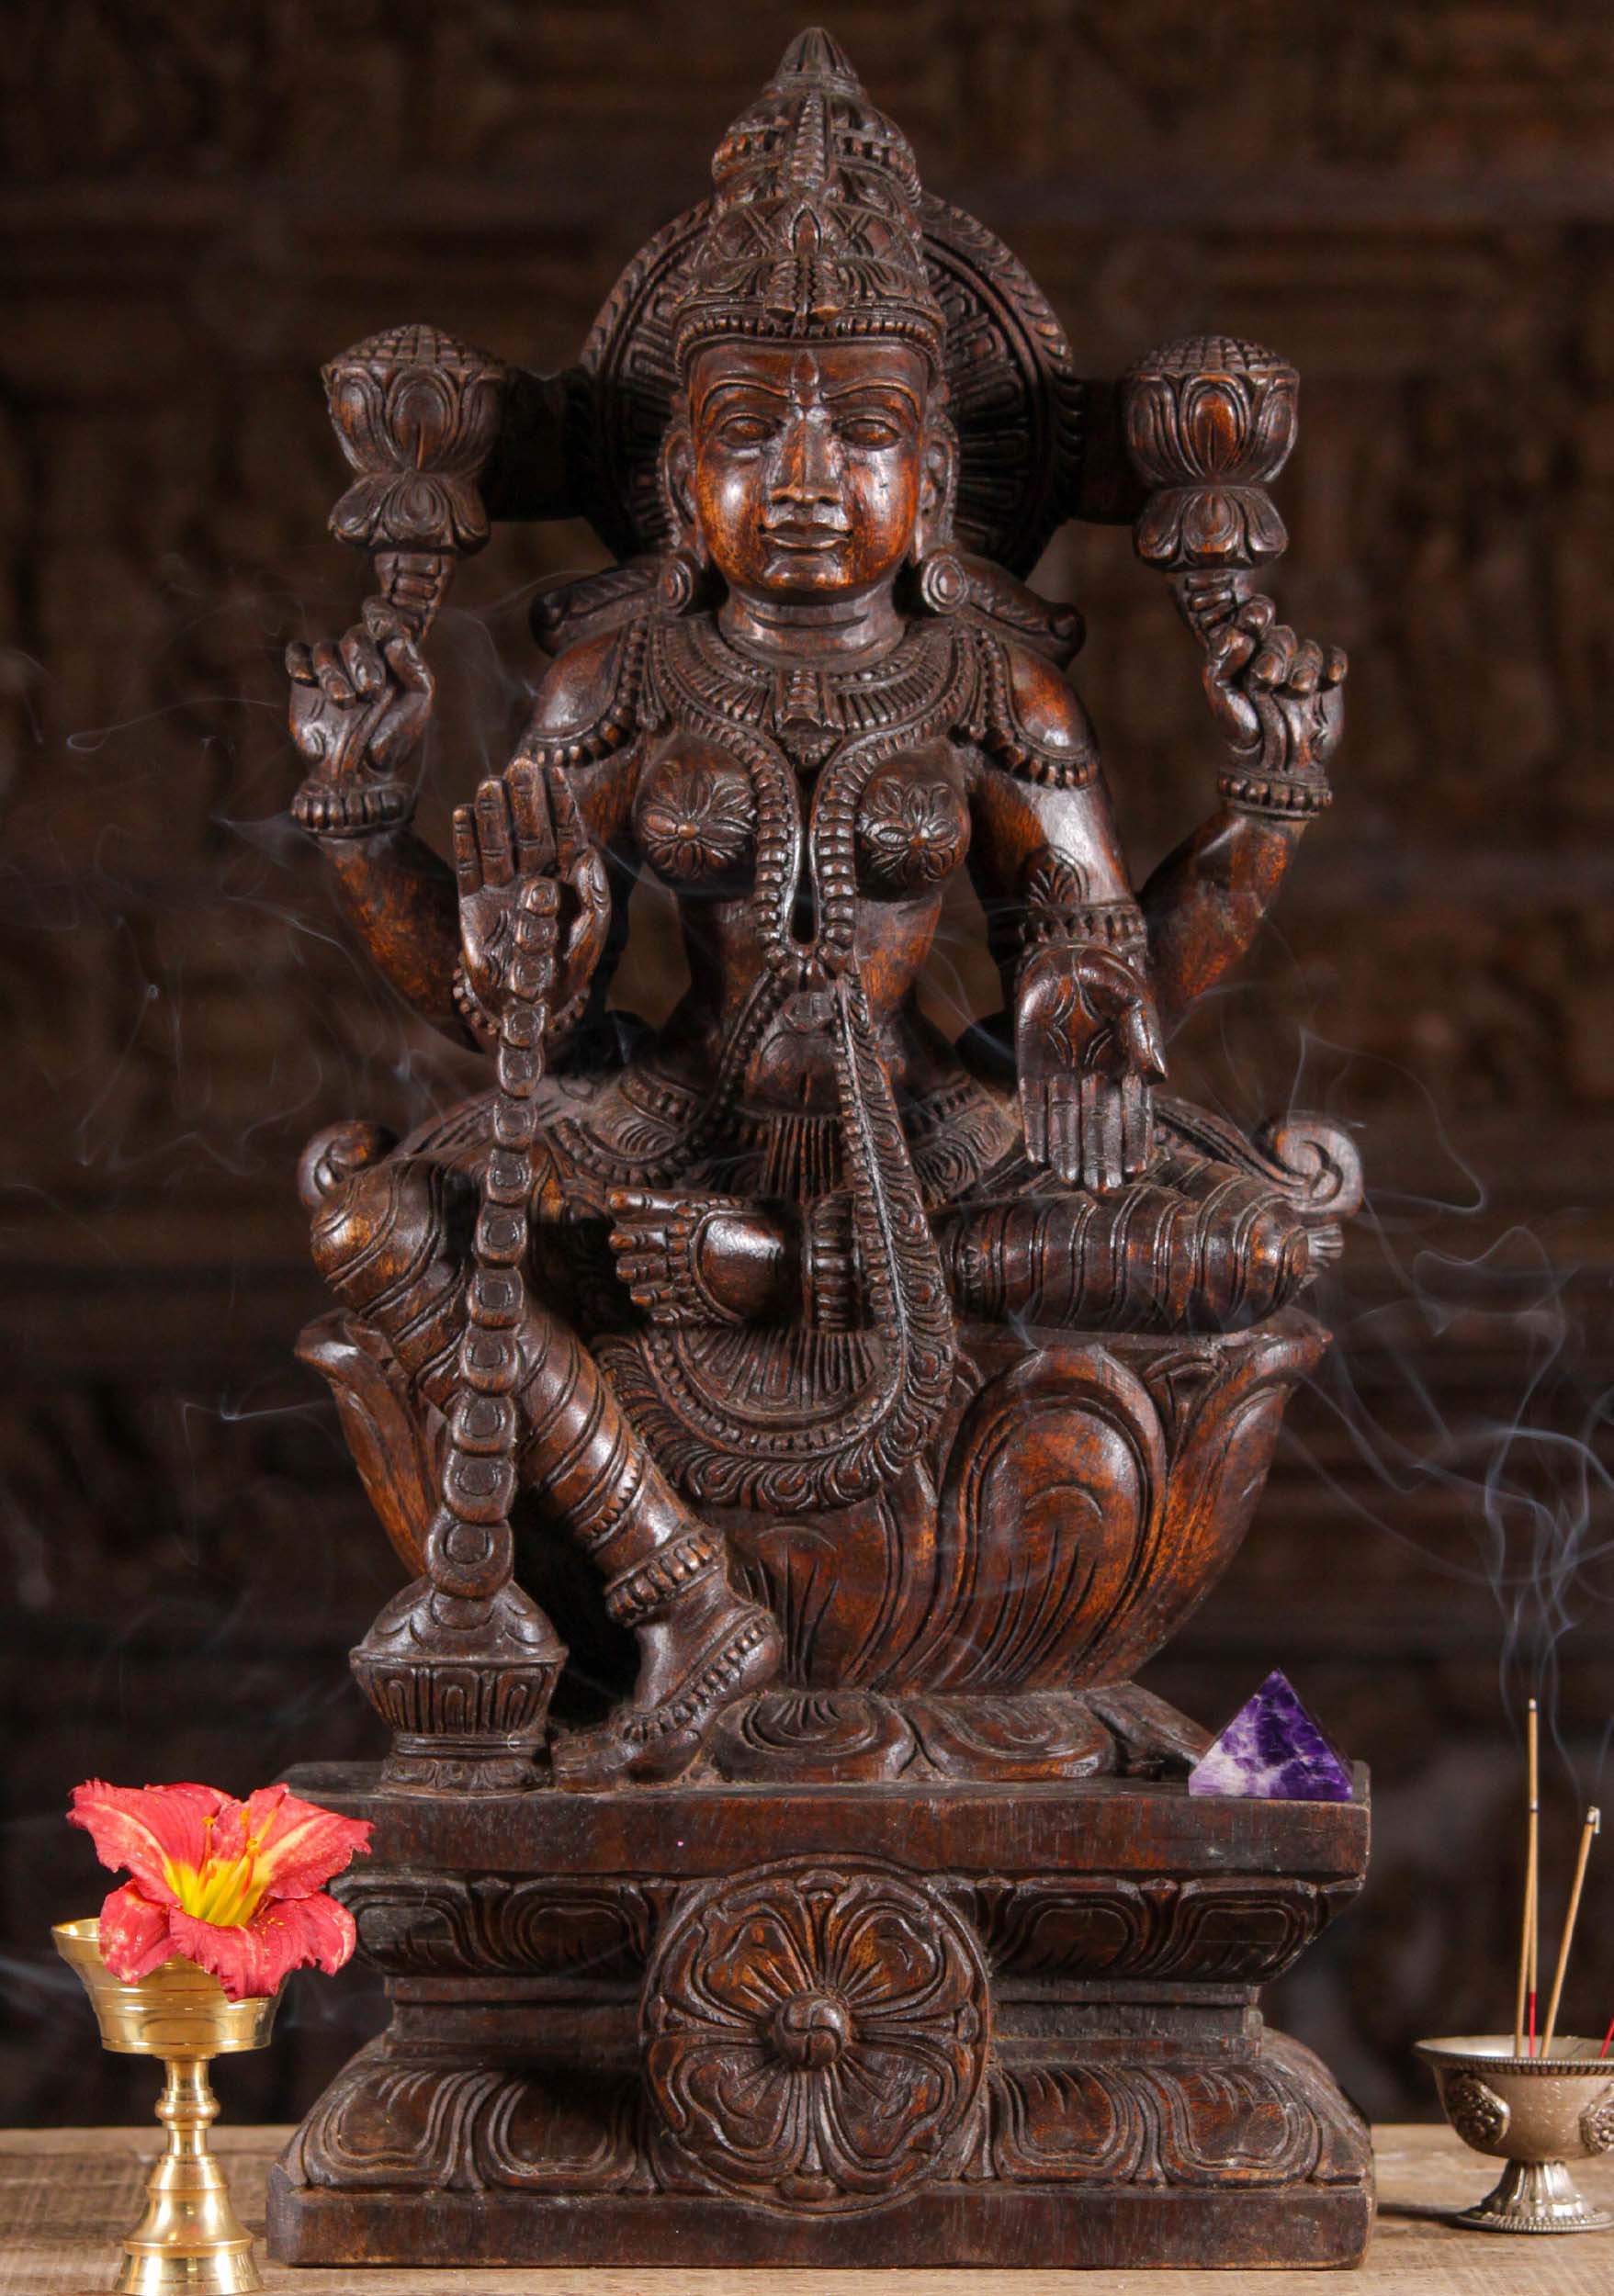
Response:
column 983, row 2025
column 863, row 1409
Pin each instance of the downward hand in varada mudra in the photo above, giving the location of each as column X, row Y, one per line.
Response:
column 749, row 1263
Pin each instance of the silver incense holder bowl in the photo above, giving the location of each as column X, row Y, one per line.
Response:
column 1536, row 2114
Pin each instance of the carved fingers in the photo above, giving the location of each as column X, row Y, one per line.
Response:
column 1092, row 1131
column 521, row 835
column 484, row 869
column 1276, row 697
column 654, row 1244
column 1095, row 1132
column 1088, row 1047
column 693, row 1259
column 1229, row 653
column 552, row 838
column 360, row 710
column 359, row 706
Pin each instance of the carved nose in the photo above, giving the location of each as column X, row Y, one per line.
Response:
column 807, row 471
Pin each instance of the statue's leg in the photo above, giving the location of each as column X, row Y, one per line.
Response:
column 1211, row 1249
column 392, row 1238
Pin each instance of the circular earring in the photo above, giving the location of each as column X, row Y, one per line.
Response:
column 941, row 580
column 683, row 581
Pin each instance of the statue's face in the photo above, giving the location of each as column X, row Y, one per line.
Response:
column 809, row 465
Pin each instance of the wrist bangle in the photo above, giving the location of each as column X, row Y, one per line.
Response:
column 477, row 1019
column 1114, row 925
column 327, row 809
column 1277, row 797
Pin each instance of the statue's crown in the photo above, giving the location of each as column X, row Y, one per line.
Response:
column 814, row 232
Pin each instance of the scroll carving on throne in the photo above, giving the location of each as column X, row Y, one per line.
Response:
column 787, row 1398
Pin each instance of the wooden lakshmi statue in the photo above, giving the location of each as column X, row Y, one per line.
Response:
column 863, row 1409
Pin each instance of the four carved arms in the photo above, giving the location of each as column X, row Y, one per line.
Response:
column 1094, row 980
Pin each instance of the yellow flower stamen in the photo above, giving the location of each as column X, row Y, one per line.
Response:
column 225, row 1892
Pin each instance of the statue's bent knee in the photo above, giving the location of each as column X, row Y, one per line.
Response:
column 387, row 1237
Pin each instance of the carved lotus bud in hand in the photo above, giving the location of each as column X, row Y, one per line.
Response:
column 522, row 836
column 1210, row 423
column 1087, row 1046
column 1277, row 699
column 417, row 415
column 360, row 705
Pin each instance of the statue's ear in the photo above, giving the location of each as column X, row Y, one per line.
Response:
column 938, row 486
column 678, row 478
column 686, row 580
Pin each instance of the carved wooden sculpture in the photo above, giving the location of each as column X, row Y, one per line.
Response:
column 864, row 1409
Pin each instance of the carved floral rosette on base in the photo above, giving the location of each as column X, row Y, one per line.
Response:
column 982, row 2026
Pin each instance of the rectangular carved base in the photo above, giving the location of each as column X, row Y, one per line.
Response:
column 1058, row 2230
column 878, row 2025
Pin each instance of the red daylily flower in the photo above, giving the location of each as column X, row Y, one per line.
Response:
column 235, row 1886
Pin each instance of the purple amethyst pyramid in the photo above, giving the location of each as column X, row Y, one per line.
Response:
column 1273, row 1752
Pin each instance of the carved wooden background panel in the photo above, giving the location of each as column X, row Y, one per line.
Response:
column 1416, row 206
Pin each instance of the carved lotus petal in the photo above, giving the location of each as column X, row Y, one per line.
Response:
column 1159, row 533
column 1217, row 425
column 1153, row 436
column 356, row 401
column 441, row 421
column 1214, row 526
column 1277, row 420
column 815, row 2035
column 736, row 2081
column 410, row 511
column 1205, row 525
column 758, row 1963
column 421, row 416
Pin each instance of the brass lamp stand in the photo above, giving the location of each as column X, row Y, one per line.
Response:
column 190, row 2236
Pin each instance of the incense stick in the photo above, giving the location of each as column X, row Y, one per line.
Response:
column 1593, row 1825
column 1608, row 2037
column 1526, row 2000
column 1524, row 2004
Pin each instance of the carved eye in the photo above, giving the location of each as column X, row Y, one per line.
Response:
column 744, row 430
column 871, row 430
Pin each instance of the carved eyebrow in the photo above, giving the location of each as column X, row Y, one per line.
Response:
column 737, row 386
column 872, row 390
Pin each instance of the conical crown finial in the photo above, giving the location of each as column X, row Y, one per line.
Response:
column 815, row 54
column 815, row 230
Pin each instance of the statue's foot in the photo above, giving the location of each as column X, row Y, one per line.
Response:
column 708, row 1648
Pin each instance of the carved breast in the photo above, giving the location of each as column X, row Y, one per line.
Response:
column 912, row 831
column 695, row 817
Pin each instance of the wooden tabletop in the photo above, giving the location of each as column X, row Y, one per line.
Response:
column 67, row 2194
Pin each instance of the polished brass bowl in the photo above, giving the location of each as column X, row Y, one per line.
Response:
column 190, row 2236
column 1536, row 2114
